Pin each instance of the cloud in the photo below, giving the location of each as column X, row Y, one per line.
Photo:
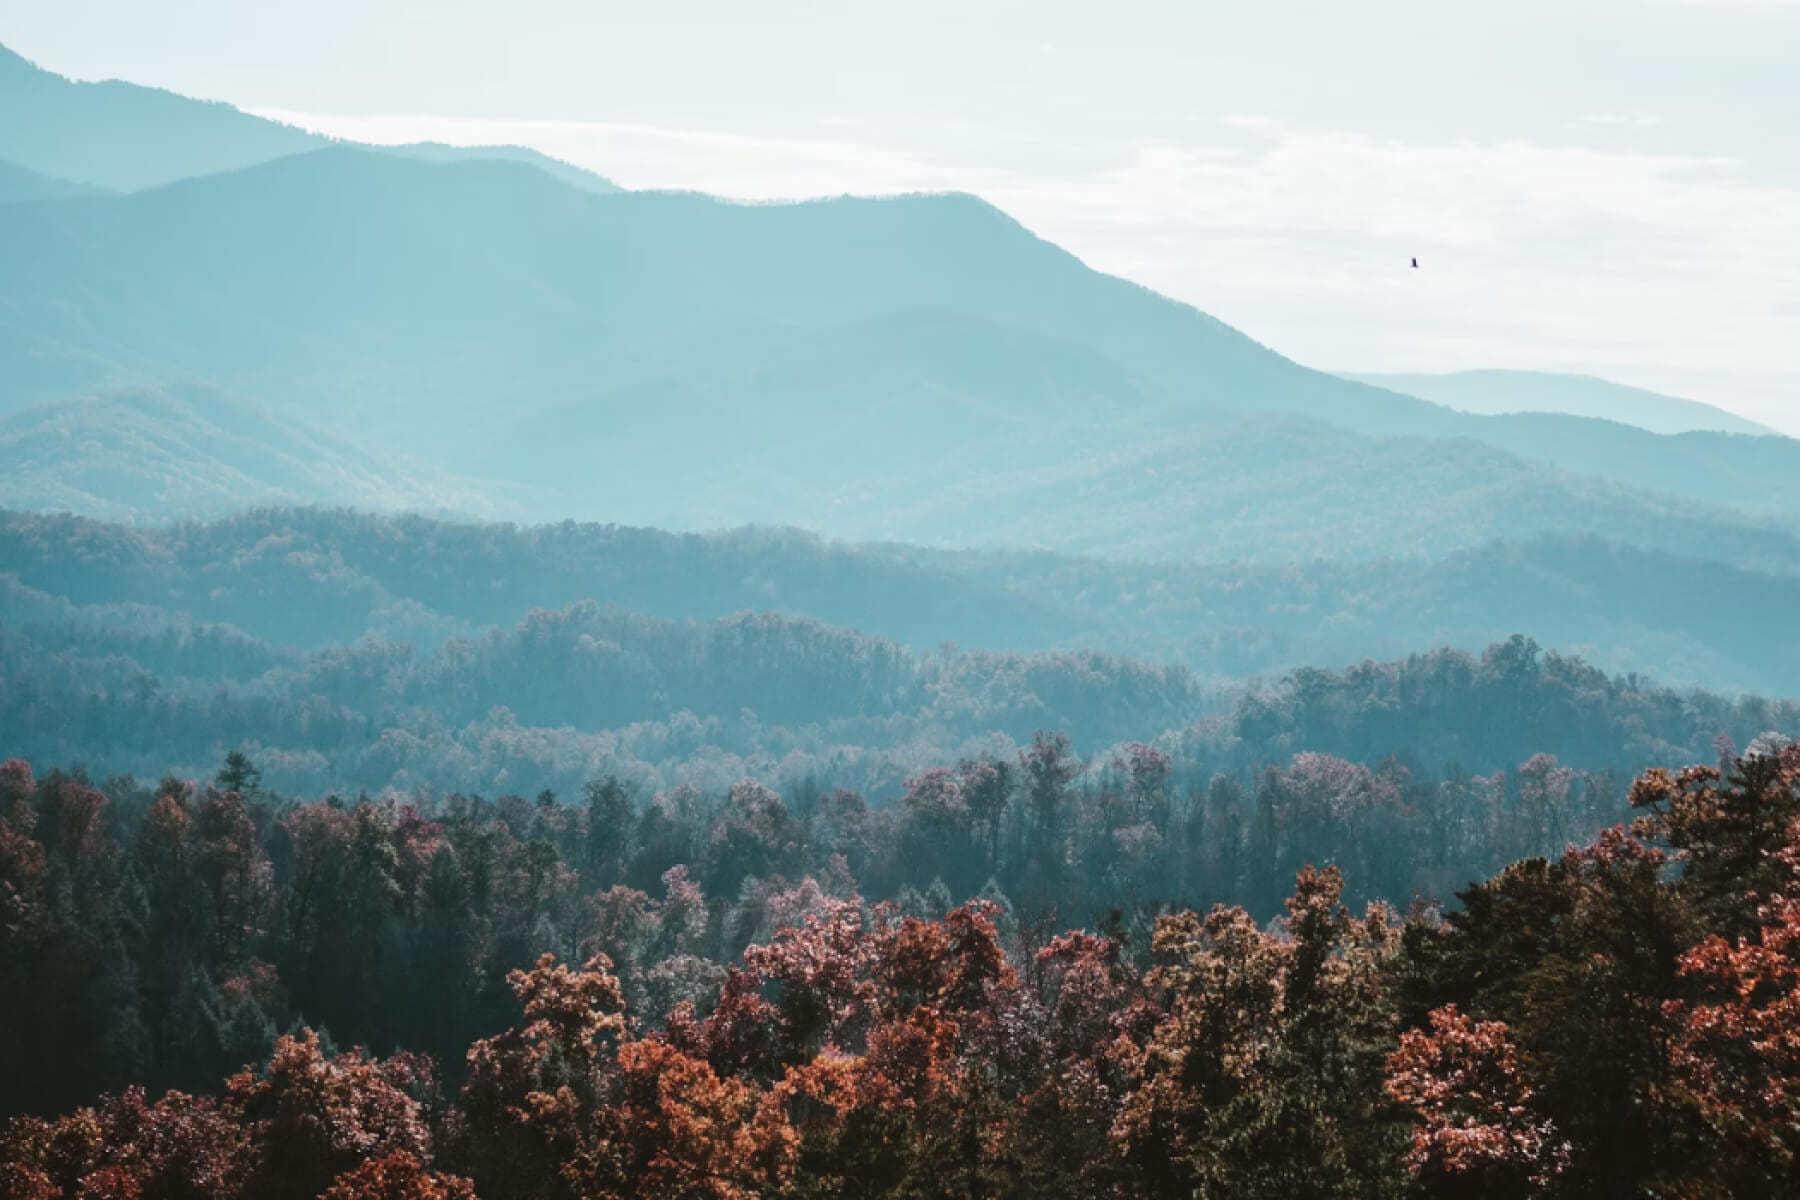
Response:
column 1630, row 264
column 1634, row 119
column 644, row 156
column 1651, row 267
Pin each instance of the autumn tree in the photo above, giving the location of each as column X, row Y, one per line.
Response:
column 1736, row 1049
column 313, row 1116
column 1262, row 1077
column 398, row 1176
column 534, row 1091
column 1475, row 1134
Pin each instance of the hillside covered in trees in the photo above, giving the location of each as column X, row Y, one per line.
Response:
column 732, row 996
column 137, row 453
column 300, row 581
column 562, row 696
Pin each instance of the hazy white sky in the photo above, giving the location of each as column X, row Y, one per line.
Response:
column 1609, row 186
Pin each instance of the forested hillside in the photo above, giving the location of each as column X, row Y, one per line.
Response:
column 139, row 454
column 310, row 580
column 753, row 1017
column 552, row 699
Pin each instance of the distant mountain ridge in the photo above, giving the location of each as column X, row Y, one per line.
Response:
column 575, row 176
column 308, row 579
column 23, row 184
column 920, row 368
column 118, row 136
column 121, row 136
column 1502, row 391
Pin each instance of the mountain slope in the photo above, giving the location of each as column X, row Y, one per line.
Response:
column 139, row 455
column 1496, row 391
column 917, row 367
column 1270, row 491
column 121, row 136
column 575, row 176
column 416, row 259
column 23, row 184
column 118, row 136
column 1680, row 619
column 1756, row 474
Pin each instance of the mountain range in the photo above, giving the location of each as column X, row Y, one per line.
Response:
column 1494, row 391
column 233, row 312
column 914, row 367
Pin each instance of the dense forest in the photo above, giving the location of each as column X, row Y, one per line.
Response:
column 566, row 696
column 346, row 652
column 753, row 995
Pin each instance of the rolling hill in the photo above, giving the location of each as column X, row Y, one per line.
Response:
column 304, row 580
column 139, row 455
column 1268, row 491
column 1497, row 392
column 21, row 183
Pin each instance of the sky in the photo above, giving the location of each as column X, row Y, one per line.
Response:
column 1604, row 186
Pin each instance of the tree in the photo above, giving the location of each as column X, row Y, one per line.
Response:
column 678, row 1129
column 534, row 1091
column 314, row 1116
column 1260, row 1077
column 1728, row 830
column 1476, row 1133
column 1736, row 1051
column 398, row 1176
column 608, row 831
column 22, row 862
column 240, row 775
column 1049, row 769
